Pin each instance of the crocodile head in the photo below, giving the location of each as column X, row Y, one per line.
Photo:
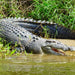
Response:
column 54, row 51
column 54, row 47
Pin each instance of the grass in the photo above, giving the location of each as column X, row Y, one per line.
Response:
column 61, row 12
column 5, row 49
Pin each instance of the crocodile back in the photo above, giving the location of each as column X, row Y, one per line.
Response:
column 52, row 30
column 42, row 28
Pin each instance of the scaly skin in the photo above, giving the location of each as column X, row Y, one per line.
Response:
column 53, row 30
column 40, row 28
column 13, row 33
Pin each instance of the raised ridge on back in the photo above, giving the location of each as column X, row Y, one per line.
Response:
column 41, row 28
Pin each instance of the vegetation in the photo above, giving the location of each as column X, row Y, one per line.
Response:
column 62, row 12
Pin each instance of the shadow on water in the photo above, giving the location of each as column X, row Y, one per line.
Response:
column 37, row 65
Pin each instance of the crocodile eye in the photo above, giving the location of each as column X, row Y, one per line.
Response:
column 50, row 41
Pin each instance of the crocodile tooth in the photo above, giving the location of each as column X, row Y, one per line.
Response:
column 39, row 21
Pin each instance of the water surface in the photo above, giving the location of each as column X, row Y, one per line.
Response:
column 34, row 64
column 37, row 64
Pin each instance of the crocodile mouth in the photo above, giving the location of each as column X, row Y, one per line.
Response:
column 50, row 50
column 60, row 52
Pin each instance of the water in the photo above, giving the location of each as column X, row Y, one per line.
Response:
column 34, row 64
column 37, row 65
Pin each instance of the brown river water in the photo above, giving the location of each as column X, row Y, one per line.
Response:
column 37, row 64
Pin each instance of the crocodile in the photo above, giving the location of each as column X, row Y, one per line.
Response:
column 12, row 32
column 41, row 28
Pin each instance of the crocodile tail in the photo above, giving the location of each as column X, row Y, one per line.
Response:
column 65, row 33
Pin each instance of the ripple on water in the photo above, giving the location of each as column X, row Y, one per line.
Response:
column 37, row 64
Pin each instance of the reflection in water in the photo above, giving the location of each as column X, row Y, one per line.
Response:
column 37, row 65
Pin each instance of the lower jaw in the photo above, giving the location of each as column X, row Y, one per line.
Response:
column 58, row 51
